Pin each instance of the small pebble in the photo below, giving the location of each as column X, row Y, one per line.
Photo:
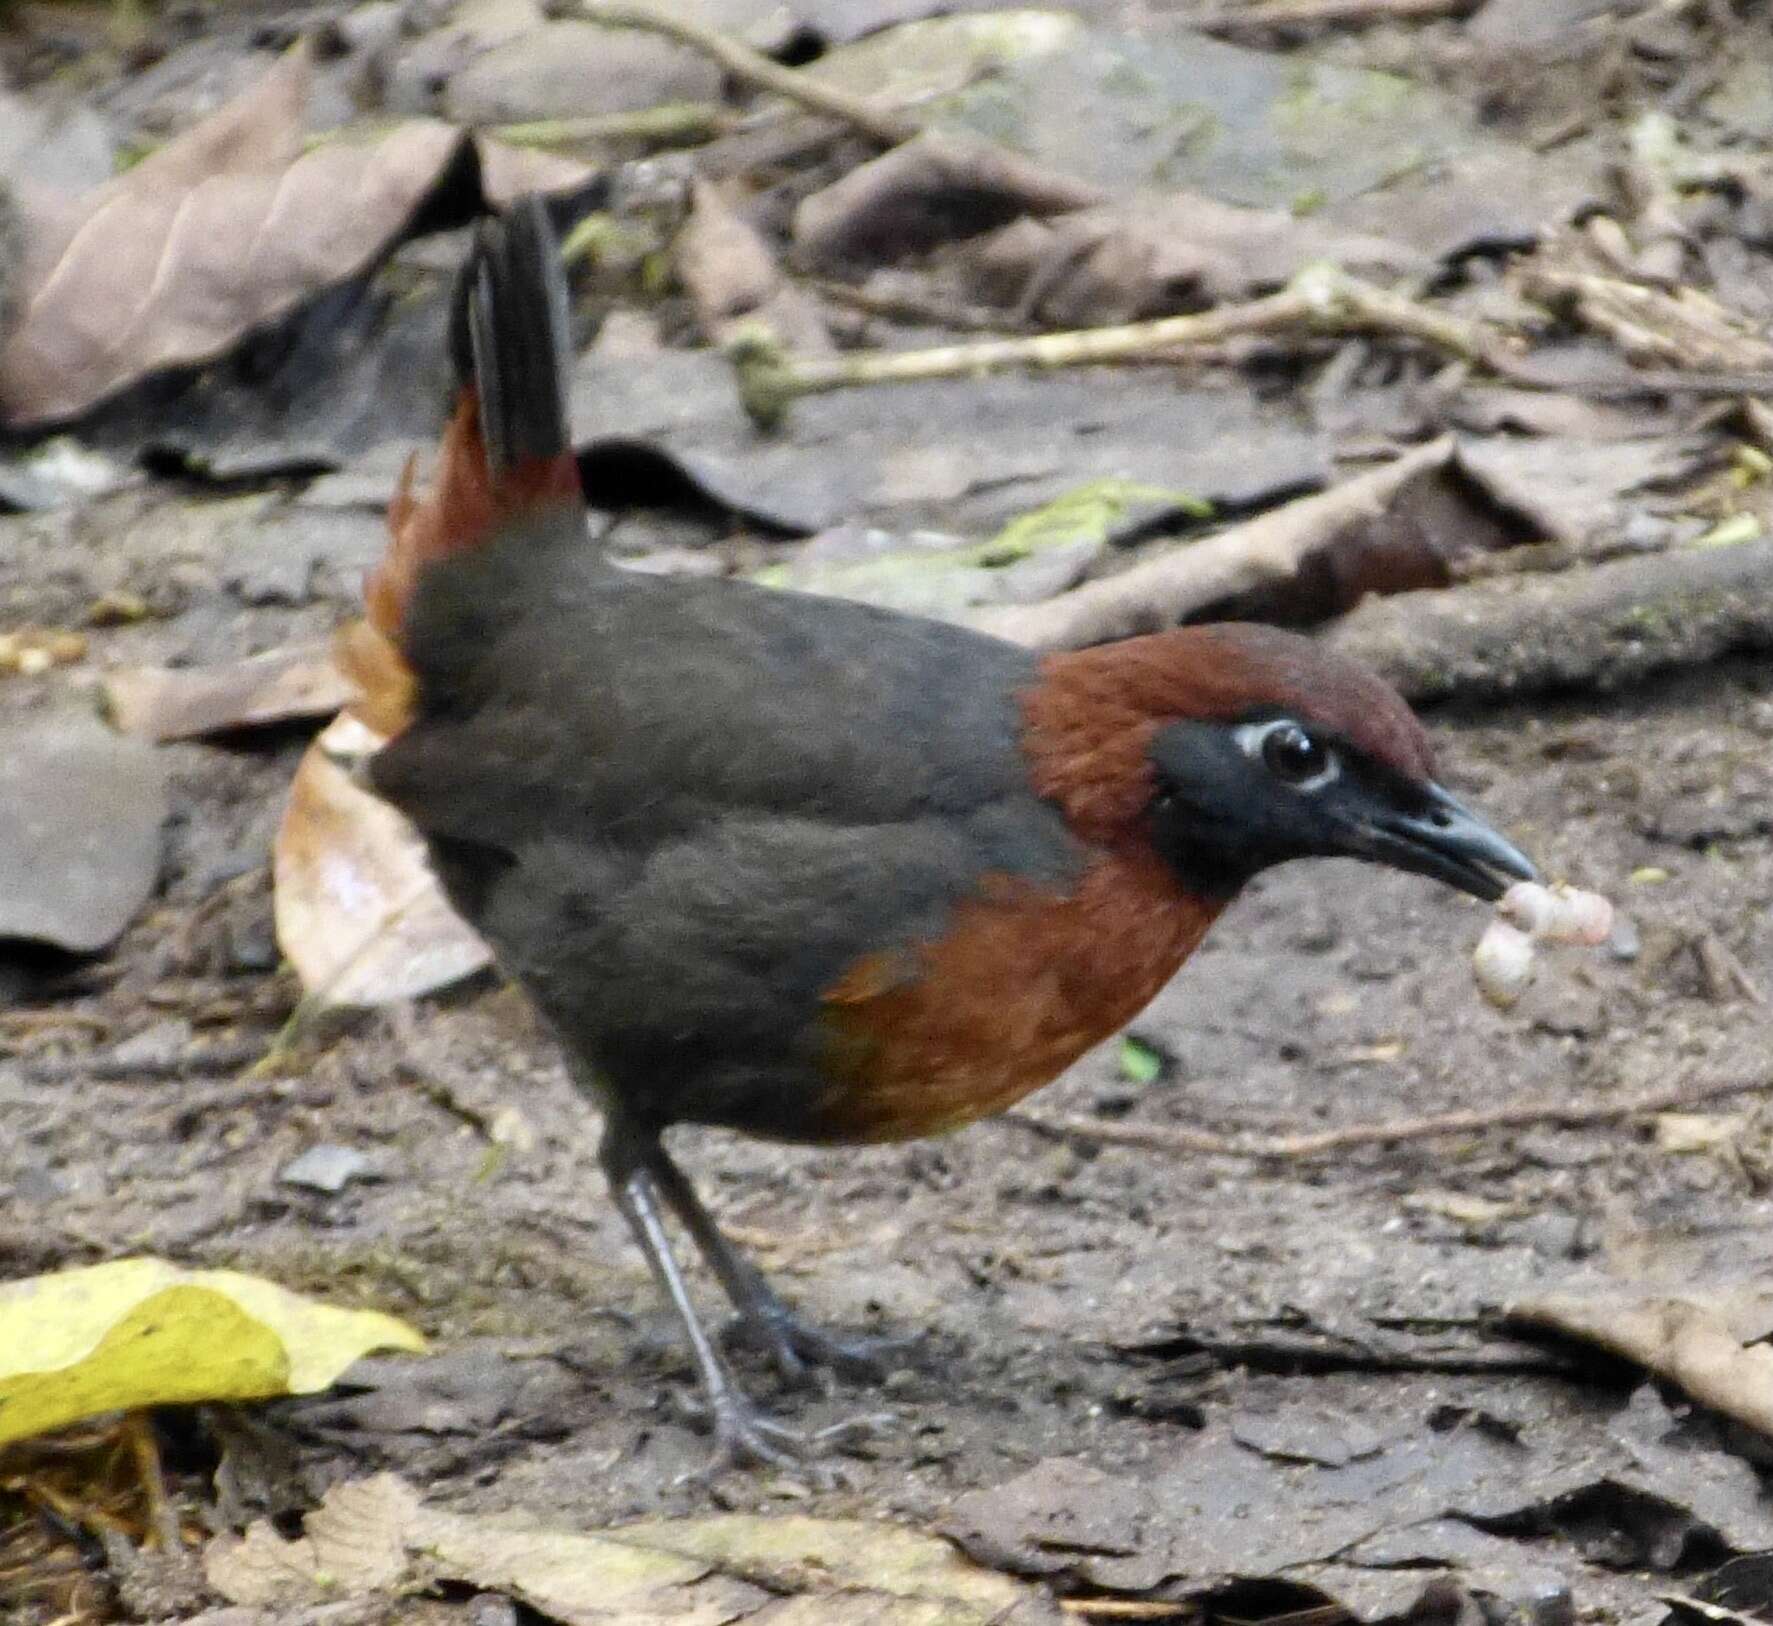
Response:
column 327, row 1168
column 491, row 1609
column 157, row 1046
column 39, row 1186
column 1553, row 1604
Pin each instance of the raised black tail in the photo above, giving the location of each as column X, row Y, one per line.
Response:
column 509, row 336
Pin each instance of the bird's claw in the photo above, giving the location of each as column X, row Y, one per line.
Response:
column 747, row 1437
column 796, row 1347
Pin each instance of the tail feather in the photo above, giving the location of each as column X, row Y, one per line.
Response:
column 511, row 303
column 507, row 449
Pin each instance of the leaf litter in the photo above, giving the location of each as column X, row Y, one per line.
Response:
column 193, row 246
column 1068, row 179
column 376, row 1535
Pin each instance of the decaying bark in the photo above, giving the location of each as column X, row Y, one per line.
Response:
column 1183, row 581
column 1592, row 627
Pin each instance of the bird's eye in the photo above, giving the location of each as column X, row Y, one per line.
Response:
column 1294, row 754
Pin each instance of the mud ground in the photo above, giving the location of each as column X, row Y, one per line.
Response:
column 1100, row 1304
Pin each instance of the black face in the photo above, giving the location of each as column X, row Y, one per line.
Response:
column 1235, row 798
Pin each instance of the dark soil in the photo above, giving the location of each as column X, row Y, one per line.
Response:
column 1065, row 1301
column 1062, row 1297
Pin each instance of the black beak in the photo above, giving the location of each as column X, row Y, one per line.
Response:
column 1442, row 839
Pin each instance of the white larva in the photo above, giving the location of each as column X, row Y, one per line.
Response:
column 1527, row 906
column 1585, row 917
column 1503, row 963
column 1526, row 914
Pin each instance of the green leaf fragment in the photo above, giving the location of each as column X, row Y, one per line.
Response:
column 1140, row 1063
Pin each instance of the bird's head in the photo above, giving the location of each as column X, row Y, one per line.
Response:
column 1232, row 748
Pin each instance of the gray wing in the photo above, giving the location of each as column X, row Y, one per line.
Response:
column 681, row 810
column 562, row 698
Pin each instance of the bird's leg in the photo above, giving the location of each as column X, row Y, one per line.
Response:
column 742, row 1433
column 791, row 1343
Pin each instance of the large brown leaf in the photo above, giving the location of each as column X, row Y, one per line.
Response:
column 225, row 228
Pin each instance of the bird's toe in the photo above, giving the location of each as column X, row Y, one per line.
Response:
column 797, row 1348
column 747, row 1437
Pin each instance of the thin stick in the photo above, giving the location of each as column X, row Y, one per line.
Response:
column 1127, row 1609
column 144, row 1451
column 907, row 306
column 225, row 1056
column 668, row 124
column 1320, row 299
column 1522, row 1115
column 1684, row 329
column 889, row 129
column 39, row 1021
column 66, row 1508
column 1287, row 13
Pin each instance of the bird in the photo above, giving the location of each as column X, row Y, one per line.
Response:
column 807, row 869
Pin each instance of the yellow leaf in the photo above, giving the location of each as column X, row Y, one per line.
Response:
column 141, row 1332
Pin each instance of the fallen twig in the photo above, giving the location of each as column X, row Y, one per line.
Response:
column 1596, row 627
column 1164, row 590
column 670, row 124
column 1725, row 976
column 1522, row 1115
column 903, row 304
column 1128, row 1609
column 227, row 1056
column 1320, row 299
column 889, row 129
column 1293, row 13
column 144, row 1451
column 1684, row 328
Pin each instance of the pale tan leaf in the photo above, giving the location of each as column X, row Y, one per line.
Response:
column 376, row 1536
column 796, row 1553
column 358, row 911
column 1710, row 1343
column 507, row 172
column 182, row 702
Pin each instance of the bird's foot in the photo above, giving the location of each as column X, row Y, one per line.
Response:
column 797, row 1347
column 745, row 1436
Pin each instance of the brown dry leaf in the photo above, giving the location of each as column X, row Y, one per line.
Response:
column 935, row 189
column 179, row 702
column 225, row 228
column 1711, row 1343
column 358, row 911
column 1339, row 532
column 508, row 172
column 732, row 277
column 1152, row 255
column 375, row 1535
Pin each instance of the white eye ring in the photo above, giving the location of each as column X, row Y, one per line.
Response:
column 1254, row 737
